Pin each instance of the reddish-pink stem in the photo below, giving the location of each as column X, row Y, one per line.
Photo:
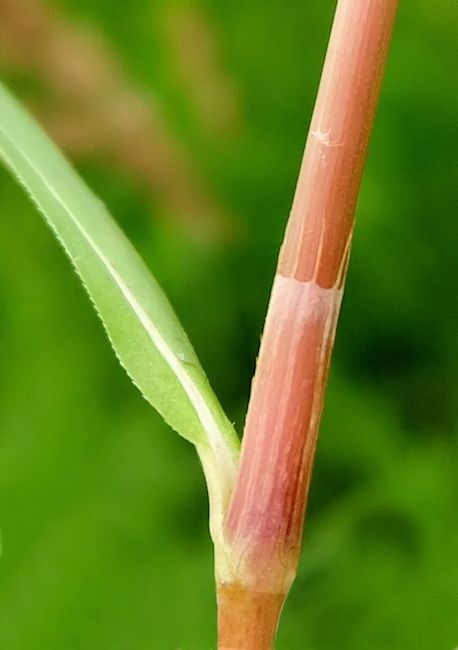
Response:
column 265, row 520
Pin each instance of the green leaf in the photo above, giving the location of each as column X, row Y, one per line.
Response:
column 142, row 327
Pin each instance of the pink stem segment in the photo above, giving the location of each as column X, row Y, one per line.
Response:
column 265, row 520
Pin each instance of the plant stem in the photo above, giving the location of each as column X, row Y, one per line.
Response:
column 247, row 618
column 265, row 519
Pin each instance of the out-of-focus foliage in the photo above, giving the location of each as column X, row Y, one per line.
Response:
column 102, row 510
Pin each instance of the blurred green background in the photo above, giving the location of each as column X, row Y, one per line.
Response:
column 189, row 119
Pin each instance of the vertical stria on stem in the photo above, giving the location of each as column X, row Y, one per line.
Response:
column 265, row 518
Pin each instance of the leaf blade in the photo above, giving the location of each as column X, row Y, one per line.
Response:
column 143, row 329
